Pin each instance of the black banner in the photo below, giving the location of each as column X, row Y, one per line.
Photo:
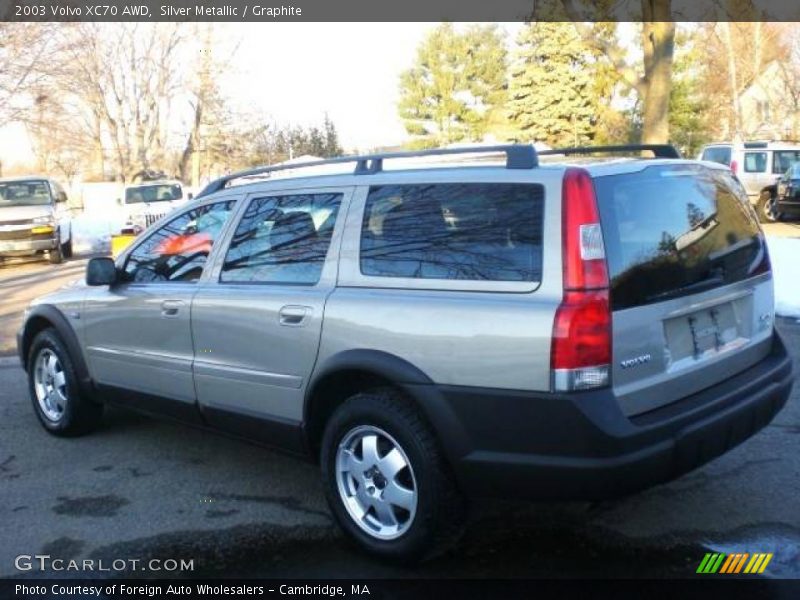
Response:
column 405, row 589
column 397, row 10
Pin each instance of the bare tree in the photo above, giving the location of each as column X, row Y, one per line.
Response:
column 28, row 58
column 125, row 77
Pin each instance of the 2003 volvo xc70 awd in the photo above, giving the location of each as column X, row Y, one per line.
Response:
column 429, row 333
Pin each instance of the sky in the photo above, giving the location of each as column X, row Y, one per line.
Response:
column 295, row 72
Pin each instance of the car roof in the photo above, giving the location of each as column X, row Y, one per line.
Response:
column 26, row 178
column 549, row 170
column 756, row 145
column 154, row 182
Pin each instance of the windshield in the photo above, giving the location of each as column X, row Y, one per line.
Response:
column 24, row 193
column 153, row 193
column 793, row 172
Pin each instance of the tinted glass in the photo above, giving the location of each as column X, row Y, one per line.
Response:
column 672, row 231
column 178, row 251
column 467, row 231
column 783, row 159
column 755, row 162
column 24, row 193
column 282, row 239
column 720, row 155
column 153, row 193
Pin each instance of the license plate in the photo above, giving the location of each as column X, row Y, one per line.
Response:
column 702, row 333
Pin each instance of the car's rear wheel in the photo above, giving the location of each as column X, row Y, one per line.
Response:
column 768, row 208
column 59, row 404
column 386, row 480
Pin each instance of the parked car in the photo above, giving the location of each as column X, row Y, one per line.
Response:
column 34, row 219
column 145, row 203
column 789, row 192
column 433, row 334
column 758, row 165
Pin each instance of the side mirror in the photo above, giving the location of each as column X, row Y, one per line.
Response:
column 119, row 201
column 101, row 271
column 61, row 197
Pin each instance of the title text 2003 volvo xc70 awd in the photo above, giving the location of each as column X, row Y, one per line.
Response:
column 556, row 330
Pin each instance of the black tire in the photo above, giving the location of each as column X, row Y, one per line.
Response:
column 766, row 208
column 440, row 510
column 66, row 248
column 81, row 414
column 54, row 256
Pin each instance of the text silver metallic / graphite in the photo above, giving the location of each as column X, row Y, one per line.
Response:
column 227, row 10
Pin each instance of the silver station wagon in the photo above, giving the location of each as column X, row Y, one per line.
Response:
column 572, row 328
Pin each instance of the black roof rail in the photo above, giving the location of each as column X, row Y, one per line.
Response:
column 518, row 156
column 658, row 150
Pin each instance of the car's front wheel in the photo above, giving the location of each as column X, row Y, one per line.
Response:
column 55, row 256
column 386, row 480
column 59, row 404
column 66, row 248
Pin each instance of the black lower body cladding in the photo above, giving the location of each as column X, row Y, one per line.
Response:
column 580, row 446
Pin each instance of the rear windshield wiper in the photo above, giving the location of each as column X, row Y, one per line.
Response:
column 708, row 283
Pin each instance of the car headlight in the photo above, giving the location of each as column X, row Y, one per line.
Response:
column 45, row 220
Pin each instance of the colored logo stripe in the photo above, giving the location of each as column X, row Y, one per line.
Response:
column 714, row 562
column 758, row 563
column 711, row 562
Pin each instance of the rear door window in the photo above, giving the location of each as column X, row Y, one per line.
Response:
column 755, row 162
column 454, row 231
column 282, row 239
column 673, row 231
column 718, row 154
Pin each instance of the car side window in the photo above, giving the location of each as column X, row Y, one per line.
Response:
column 178, row 251
column 783, row 159
column 282, row 239
column 462, row 231
column 755, row 162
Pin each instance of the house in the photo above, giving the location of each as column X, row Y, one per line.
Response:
column 770, row 106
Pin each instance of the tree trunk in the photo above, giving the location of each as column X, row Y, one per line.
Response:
column 658, row 41
column 736, row 107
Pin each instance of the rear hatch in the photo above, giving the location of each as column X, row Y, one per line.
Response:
column 691, row 292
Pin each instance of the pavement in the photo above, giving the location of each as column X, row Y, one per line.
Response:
column 140, row 488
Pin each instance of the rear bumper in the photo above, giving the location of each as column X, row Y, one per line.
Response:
column 581, row 446
column 26, row 247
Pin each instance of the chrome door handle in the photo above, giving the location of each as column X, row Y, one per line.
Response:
column 294, row 316
column 171, row 308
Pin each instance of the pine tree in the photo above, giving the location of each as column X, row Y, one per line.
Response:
column 456, row 84
column 552, row 90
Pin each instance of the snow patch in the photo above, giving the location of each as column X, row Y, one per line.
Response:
column 784, row 253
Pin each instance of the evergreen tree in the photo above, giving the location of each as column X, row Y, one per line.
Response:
column 552, row 89
column 456, row 84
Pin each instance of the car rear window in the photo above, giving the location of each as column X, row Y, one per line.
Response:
column 719, row 154
column 673, row 231
column 463, row 231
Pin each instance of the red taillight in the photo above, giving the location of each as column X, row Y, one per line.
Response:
column 734, row 167
column 584, row 253
column 581, row 333
column 581, row 347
